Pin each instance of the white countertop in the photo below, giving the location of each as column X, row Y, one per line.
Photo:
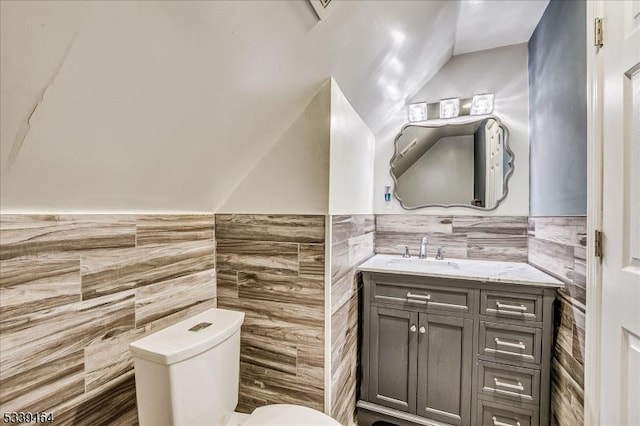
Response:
column 469, row 269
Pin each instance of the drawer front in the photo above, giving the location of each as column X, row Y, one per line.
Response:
column 507, row 382
column 510, row 342
column 430, row 298
column 525, row 307
column 493, row 414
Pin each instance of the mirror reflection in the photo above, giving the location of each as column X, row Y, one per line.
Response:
column 452, row 164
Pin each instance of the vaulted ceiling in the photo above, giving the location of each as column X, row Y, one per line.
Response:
column 167, row 105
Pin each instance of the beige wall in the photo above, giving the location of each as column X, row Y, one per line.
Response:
column 166, row 105
column 352, row 157
column 502, row 71
column 293, row 176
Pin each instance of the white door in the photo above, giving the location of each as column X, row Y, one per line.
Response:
column 494, row 158
column 620, row 350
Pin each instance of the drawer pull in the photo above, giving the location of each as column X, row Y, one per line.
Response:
column 413, row 328
column 418, row 296
column 518, row 345
column 520, row 308
column 517, row 387
column 498, row 423
column 423, row 330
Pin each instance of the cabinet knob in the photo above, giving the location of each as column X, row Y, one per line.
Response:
column 413, row 328
column 423, row 330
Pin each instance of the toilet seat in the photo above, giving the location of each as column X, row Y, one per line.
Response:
column 288, row 415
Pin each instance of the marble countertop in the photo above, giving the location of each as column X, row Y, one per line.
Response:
column 469, row 269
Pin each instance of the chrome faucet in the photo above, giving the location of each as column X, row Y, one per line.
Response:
column 440, row 254
column 423, row 248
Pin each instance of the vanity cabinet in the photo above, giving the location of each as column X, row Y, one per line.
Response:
column 454, row 351
column 421, row 363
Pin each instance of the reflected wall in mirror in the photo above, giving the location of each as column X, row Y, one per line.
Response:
column 453, row 164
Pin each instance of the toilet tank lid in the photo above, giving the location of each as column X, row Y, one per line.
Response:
column 189, row 337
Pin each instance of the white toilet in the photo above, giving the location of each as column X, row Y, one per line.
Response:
column 188, row 375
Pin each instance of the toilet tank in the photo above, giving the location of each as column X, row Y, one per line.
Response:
column 188, row 373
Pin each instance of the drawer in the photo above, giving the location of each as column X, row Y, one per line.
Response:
column 494, row 414
column 507, row 382
column 423, row 296
column 525, row 307
column 510, row 342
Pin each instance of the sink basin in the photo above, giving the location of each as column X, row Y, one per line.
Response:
column 423, row 264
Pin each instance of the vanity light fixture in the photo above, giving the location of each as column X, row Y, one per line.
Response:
column 418, row 112
column 482, row 104
column 452, row 107
column 449, row 108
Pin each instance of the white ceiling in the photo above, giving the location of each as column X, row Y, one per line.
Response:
column 485, row 24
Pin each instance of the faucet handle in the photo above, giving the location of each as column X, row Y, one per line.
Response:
column 440, row 254
column 406, row 254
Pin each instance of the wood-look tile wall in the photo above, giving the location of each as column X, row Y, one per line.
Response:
column 352, row 243
column 557, row 245
column 475, row 237
column 75, row 290
column 272, row 268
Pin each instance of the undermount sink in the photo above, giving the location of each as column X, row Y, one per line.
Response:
column 427, row 264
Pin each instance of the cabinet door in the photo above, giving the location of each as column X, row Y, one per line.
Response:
column 393, row 357
column 445, row 357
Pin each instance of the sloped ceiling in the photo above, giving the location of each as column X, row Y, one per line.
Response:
column 152, row 106
column 487, row 24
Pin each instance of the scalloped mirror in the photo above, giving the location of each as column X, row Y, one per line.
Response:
column 461, row 164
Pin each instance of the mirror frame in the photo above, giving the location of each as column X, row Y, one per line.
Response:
column 442, row 123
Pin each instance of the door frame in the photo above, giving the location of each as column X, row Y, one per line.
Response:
column 594, row 219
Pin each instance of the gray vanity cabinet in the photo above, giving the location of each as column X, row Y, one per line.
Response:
column 443, row 351
column 421, row 363
column 444, row 368
column 394, row 345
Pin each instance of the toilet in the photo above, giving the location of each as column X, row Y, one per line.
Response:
column 188, row 375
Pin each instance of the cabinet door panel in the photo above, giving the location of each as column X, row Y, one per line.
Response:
column 393, row 358
column 445, row 358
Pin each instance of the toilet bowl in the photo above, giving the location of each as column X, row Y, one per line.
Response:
column 188, row 375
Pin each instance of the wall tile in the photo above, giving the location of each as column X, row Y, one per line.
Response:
column 557, row 246
column 455, row 245
column 272, row 268
column 311, row 259
column 512, row 225
column 476, row 237
column 44, row 386
column 281, row 288
column 39, row 282
column 160, row 300
column 112, row 271
column 353, row 241
column 345, row 227
column 264, row 256
column 114, row 404
column 282, row 228
column 501, row 247
column 418, row 224
column 553, row 258
column 171, row 229
column 71, row 290
column 25, row 235
column 33, row 340
column 568, row 231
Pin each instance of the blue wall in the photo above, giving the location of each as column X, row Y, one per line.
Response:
column 558, row 111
